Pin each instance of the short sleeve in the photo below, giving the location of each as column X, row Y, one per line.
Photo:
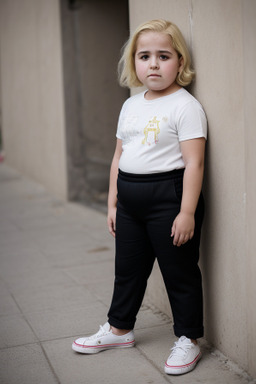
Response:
column 192, row 122
column 120, row 121
column 118, row 132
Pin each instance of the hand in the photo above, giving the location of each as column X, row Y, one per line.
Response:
column 183, row 228
column 112, row 221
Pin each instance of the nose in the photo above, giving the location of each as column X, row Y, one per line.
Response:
column 154, row 63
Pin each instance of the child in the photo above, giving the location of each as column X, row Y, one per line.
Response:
column 155, row 205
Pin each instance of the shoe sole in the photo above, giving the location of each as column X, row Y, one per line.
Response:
column 98, row 348
column 179, row 370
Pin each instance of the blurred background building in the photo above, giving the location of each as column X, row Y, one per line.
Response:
column 59, row 105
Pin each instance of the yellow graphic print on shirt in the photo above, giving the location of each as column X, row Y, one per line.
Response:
column 151, row 132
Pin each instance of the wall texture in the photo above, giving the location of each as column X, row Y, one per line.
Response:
column 220, row 37
column 91, row 49
column 248, row 256
column 32, row 91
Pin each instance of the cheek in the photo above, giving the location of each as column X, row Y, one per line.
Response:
column 140, row 69
column 172, row 69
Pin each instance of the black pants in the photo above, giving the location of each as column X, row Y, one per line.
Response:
column 147, row 206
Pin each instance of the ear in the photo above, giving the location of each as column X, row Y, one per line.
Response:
column 181, row 64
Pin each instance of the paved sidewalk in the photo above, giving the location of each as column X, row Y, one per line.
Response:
column 56, row 278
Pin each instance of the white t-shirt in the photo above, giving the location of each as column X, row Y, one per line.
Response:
column 151, row 131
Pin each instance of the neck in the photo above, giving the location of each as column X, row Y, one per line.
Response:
column 151, row 94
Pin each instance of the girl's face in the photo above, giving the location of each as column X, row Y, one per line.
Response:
column 157, row 64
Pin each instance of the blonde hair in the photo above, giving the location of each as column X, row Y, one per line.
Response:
column 126, row 65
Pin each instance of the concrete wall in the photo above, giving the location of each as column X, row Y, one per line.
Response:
column 91, row 49
column 61, row 97
column 248, row 257
column 32, row 91
column 221, row 37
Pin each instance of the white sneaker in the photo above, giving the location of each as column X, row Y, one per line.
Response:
column 183, row 358
column 102, row 340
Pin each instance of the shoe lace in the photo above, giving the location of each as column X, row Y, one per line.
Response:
column 180, row 348
column 101, row 332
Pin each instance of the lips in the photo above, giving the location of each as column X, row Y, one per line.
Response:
column 154, row 75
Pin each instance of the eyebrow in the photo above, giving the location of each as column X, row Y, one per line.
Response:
column 161, row 51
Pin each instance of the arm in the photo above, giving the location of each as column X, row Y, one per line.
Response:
column 112, row 199
column 193, row 156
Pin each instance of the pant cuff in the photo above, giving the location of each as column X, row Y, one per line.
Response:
column 190, row 333
column 121, row 324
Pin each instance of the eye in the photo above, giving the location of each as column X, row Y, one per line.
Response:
column 164, row 57
column 144, row 57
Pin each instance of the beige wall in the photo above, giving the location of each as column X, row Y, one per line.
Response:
column 32, row 91
column 221, row 36
column 93, row 98
column 249, row 53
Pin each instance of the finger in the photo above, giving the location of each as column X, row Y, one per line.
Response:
column 186, row 238
column 173, row 229
column 111, row 228
column 180, row 241
column 112, row 232
column 176, row 240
